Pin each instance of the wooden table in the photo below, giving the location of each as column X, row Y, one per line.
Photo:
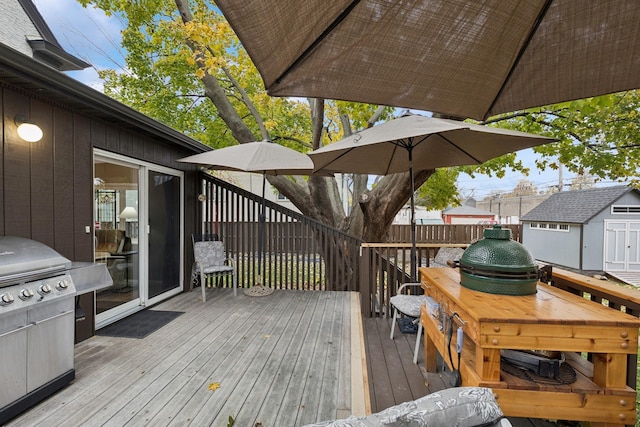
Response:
column 551, row 319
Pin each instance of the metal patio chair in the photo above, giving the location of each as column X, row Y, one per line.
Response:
column 408, row 305
column 195, row 273
column 211, row 261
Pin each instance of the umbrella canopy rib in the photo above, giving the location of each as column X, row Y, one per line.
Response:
column 397, row 143
column 317, row 41
column 465, row 152
column 523, row 49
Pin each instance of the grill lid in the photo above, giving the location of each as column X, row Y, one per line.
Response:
column 496, row 264
column 21, row 258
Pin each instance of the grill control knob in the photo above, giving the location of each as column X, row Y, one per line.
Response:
column 62, row 285
column 6, row 299
column 25, row 294
column 44, row 289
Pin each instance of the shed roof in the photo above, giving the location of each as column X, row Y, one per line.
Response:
column 576, row 207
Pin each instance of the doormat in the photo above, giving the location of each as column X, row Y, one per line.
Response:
column 258, row 291
column 139, row 325
column 406, row 325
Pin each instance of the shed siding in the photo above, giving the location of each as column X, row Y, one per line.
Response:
column 557, row 247
column 593, row 245
column 630, row 199
column 593, row 254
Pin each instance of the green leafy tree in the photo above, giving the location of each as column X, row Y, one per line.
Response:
column 597, row 136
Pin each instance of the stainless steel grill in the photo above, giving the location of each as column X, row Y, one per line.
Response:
column 37, row 323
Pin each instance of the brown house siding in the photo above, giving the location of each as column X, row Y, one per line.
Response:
column 47, row 188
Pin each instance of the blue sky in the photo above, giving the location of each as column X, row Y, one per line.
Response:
column 94, row 37
column 85, row 32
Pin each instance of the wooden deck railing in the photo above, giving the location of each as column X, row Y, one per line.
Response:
column 384, row 267
column 612, row 295
column 299, row 252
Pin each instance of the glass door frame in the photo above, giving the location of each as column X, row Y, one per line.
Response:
column 143, row 168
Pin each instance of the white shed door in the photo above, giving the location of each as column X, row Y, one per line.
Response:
column 622, row 246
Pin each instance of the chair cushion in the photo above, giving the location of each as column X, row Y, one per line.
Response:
column 446, row 254
column 217, row 269
column 455, row 407
column 209, row 253
column 408, row 304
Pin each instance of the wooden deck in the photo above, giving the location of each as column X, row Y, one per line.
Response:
column 394, row 378
column 288, row 359
column 280, row 360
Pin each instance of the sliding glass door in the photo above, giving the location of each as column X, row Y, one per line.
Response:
column 138, row 234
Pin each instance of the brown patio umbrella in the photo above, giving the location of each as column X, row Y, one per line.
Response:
column 413, row 143
column 458, row 57
column 263, row 157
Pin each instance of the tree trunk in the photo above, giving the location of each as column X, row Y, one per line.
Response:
column 380, row 206
column 372, row 211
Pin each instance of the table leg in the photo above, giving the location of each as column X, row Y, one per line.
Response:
column 610, row 370
column 430, row 353
column 487, row 363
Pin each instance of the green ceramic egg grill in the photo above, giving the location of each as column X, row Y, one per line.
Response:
column 497, row 264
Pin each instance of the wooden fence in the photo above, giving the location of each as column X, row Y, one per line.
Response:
column 446, row 233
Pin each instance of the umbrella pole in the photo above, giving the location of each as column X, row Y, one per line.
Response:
column 261, row 220
column 413, row 219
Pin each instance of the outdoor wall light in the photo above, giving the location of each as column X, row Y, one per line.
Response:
column 28, row 131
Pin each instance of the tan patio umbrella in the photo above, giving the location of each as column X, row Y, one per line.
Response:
column 413, row 143
column 263, row 157
column 465, row 58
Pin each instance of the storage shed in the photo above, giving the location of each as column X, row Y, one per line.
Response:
column 593, row 230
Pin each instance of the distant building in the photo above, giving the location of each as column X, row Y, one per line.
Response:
column 596, row 229
column 253, row 182
column 468, row 215
column 22, row 28
column 509, row 210
column 423, row 216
